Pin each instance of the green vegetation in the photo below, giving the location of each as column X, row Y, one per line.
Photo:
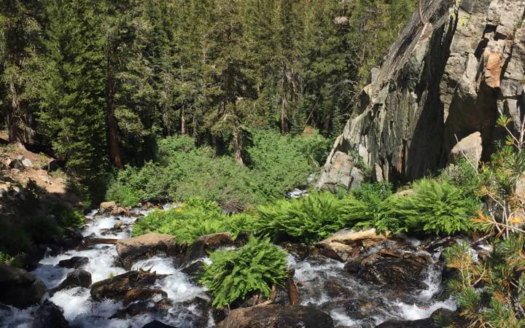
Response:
column 191, row 220
column 5, row 258
column 252, row 269
column 183, row 171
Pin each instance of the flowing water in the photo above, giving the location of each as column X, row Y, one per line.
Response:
column 322, row 282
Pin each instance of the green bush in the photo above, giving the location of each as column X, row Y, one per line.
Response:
column 194, row 219
column 5, row 258
column 66, row 217
column 13, row 238
column 436, row 208
column 238, row 274
column 308, row 219
column 42, row 230
column 182, row 171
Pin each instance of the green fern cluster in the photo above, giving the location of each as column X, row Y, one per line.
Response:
column 307, row 219
column 252, row 269
column 436, row 207
column 192, row 220
column 490, row 293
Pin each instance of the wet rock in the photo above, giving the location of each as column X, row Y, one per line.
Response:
column 50, row 315
column 275, row 316
column 76, row 278
column 106, row 207
column 342, row 245
column 118, row 225
column 196, row 312
column 131, row 249
column 117, row 210
column 202, row 245
column 424, row 323
column 469, row 148
column 194, row 270
column 392, row 269
column 19, row 288
column 159, row 308
column 117, row 287
column 74, row 262
column 143, row 294
column 156, row 324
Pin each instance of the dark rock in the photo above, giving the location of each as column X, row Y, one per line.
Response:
column 392, row 269
column 195, row 270
column 159, row 308
column 202, row 245
column 143, row 294
column 131, row 249
column 50, row 315
column 74, row 263
column 17, row 164
column 275, row 316
column 156, row 324
column 76, row 278
column 117, row 287
column 424, row 323
column 19, row 288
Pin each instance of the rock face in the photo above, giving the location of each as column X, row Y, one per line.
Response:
column 439, row 83
column 19, row 288
column 275, row 316
column 469, row 148
column 132, row 249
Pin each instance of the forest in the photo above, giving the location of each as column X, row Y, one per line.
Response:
column 98, row 84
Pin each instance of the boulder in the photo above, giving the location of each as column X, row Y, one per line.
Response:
column 132, row 249
column 20, row 288
column 202, row 245
column 143, row 294
column 106, row 207
column 50, row 315
column 392, row 269
column 74, row 263
column 117, row 287
column 344, row 243
column 469, row 148
column 140, row 308
column 275, row 316
column 27, row 163
column 156, row 324
column 76, row 278
column 16, row 164
column 117, row 210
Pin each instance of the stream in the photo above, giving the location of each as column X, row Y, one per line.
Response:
column 322, row 282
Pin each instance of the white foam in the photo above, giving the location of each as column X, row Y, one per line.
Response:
column 417, row 312
column 158, row 264
column 179, row 287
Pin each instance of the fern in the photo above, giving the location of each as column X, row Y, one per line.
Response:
column 252, row 269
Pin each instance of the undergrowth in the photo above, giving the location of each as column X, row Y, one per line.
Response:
column 250, row 270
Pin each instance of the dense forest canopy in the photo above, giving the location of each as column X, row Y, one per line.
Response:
column 97, row 83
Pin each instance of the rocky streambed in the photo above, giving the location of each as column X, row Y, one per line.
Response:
column 109, row 280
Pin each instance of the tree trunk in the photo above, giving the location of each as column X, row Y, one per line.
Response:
column 114, row 150
column 237, row 146
column 182, row 121
column 14, row 118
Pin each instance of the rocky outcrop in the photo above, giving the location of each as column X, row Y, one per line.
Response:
column 275, row 316
column 76, row 278
column 440, row 82
column 131, row 249
column 19, row 288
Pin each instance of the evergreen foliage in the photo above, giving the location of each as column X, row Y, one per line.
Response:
column 238, row 274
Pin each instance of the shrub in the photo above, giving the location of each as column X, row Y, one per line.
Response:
column 67, row 217
column 436, row 208
column 489, row 293
column 5, row 258
column 252, row 269
column 42, row 230
column 195, row 219
column 308, row 219
column 13, row 238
